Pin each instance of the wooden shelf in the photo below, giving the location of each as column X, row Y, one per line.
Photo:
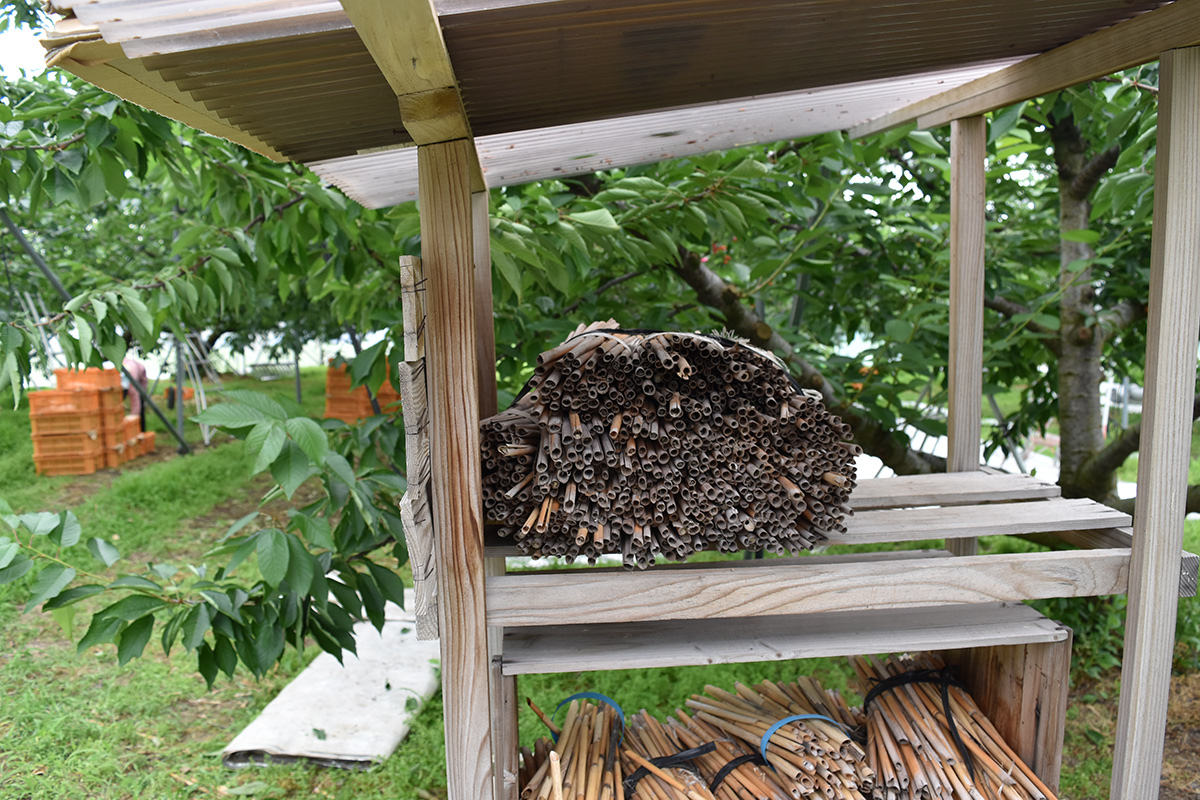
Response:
column 943, row 506
column 579, row 648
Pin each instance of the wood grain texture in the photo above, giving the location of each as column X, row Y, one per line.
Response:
column 957, row 522
column 1174, row 316
column 415, row 513
column 956, row 488
column 644, row 645
column 964, row 410
column 456, row 492
column 405, row 39
column 1125, row 44
column 586, row 597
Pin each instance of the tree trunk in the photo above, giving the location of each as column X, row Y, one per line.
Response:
column 1080, row 344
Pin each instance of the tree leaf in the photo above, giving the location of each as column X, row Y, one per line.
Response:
column 103, row 551
column 315, row 530
column 134, row 582
column 300, row 567
column 237, row 526
column 102, row 629
column 68, row 530
column 17, row 568
column 132, row 641
column 50, row 581
column 134, row 606
column 311, row 438
column 264, row 442
column 599, row 219
column 272, row 550
column 9, row 550
column 195, row 625
column 389, row 583
column 73, row 595
column 291, row 468
column 231, row 415
column 267, row 405
column 340, row 467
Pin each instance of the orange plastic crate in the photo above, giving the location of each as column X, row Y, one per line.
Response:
column 63, row 401
column 67, row 444
column 131, row 427
column 114, row 456
column 90, row 378
column 59, row 424
column 348, row 408
column 78, row 464
column 148, row 442
column 112, row 400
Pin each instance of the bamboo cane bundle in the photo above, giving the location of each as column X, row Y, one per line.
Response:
column 582, row 764
column 664, row 443
column 922, row 749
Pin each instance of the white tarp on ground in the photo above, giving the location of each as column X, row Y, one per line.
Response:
column 352, row 716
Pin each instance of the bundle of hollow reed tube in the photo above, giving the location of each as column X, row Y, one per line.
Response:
column 920, row 748
column 643, row 443
column 780, row 740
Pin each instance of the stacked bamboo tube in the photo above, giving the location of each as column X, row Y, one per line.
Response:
column 664, row 443
column 810, row 757
column 912, row 749
column 907, row 753
column 582, row 764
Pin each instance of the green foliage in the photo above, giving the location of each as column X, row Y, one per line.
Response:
column 232, row 615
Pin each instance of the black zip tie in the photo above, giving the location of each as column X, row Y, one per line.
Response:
column 723, row 772
column 682, row 757
column 945, row 679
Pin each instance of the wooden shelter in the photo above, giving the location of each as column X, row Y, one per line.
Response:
column 447, row 98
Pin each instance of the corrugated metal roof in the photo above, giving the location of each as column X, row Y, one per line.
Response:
column 558, row 87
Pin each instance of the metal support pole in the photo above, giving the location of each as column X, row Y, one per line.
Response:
column 179, row 388
column 299, row 399
column 66, row 298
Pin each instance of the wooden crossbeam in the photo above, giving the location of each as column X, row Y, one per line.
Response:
column 405, row 39
column 585, row 597
column 1126, row 44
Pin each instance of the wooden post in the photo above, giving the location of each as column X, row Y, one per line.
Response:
column 1174, row 316
column 968, row 144
column 503, row 689
column 456, row 491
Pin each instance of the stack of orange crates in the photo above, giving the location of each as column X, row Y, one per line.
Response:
column 81, row 426
column 351, row 406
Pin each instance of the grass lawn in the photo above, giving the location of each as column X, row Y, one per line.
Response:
column 80, row 726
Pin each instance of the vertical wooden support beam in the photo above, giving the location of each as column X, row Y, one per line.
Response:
column 1174, row 316
column 1022, row 688
column 968, row 150
column 456, row 475
column 503, row 688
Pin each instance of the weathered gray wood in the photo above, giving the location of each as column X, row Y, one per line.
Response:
column 964, row 407
column 456, row 492
column 1174, row 316
column 950, row 489
column 642, row 645
column 414, row 506
column 1189, row 565
column 583, row 597
column 953, row 522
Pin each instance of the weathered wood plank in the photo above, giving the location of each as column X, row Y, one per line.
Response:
column 456, row 491
column 1174, row 316
column 954, row 522
column 1127, row 44
column 964, row 409
column 584, row 597
column 643, row 645
column 959, row 488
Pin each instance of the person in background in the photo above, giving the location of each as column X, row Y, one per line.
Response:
column 138, row 371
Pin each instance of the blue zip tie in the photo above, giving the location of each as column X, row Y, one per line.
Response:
column 766, row 739
column 590, row 696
